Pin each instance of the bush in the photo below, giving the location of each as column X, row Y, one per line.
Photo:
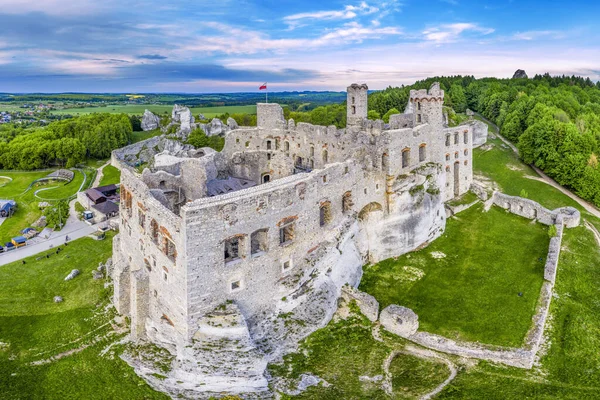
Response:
column 198, row 138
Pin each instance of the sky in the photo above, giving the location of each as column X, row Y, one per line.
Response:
column 236, row 45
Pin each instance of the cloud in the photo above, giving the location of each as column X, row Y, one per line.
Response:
column 448, row 33
column 535, row 35
column 349, row 12
column 151, row 57
column 53, row 7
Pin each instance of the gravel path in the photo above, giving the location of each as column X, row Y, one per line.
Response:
column 589, row 207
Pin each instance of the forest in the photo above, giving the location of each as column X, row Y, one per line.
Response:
column 554, row 121
column 64, row 143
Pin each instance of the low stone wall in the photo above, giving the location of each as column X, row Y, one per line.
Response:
column 553, row 255
column 520, row 358
column 479, row 190
column 530, row 209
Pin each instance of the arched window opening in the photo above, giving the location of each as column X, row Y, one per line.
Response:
column 266, row 178
column 347, row 202
column 325, row 157
column 422, row 152
column 384, row 161
column 405, row 158
column 325, row 216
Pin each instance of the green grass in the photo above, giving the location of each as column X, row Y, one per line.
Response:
column 110, row 175
column 35, row 328
column 466, row 198
column 60, row 189
column 141, row 135
column 27, row 210
column 412, row 376
column 344, row 351
column 161, row 110
column 471, row 293
column 569, row 370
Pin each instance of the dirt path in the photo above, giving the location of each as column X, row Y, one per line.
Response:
column 545, row 178
column 594, row 231
column 417, row 352
column 100, row 174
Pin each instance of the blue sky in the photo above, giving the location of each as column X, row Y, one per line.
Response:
column 227, row 46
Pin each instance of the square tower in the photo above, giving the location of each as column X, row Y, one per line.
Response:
column 427, row 106
column 357, row 104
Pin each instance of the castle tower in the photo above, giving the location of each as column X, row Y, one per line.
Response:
column 427, row 106
column 357, row 104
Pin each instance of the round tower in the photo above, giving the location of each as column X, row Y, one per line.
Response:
column 357, row 104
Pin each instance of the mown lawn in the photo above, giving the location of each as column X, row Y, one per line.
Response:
column 110, row 175
column 60, row 189
column 27, row 208
column 484, row 284
column 571, row 367
column 34, row 328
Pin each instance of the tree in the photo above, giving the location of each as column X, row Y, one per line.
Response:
column 386, row 116
column 198, row 139
column 373, row 115
column 459, row 99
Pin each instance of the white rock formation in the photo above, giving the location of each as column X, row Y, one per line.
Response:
column 150, row 121
column 184, row 116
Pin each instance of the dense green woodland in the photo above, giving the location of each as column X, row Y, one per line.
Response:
column 554, row 121
column 63, row 143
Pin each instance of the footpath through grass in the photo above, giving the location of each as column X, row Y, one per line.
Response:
column 33, row 328
column 479, row 281
column 345, row 351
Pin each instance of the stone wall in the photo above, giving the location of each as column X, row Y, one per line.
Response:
column 532, row 210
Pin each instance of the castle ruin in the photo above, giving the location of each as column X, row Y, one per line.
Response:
column 248, row 248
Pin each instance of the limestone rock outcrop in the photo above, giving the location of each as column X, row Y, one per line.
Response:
column 183, row 116
column 367, row 303
column 520, row 74
column 216, row 127
column 150, row 121
column 232, row 123
column 399, row 320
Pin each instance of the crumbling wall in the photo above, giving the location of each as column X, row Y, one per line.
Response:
column 530, row 209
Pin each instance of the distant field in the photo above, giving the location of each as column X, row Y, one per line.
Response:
column 158, row 109
column 10, row 107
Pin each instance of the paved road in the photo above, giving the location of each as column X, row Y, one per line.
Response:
column 589, row 207
column 75, row 231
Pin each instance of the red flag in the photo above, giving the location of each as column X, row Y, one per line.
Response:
column 263, row 87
